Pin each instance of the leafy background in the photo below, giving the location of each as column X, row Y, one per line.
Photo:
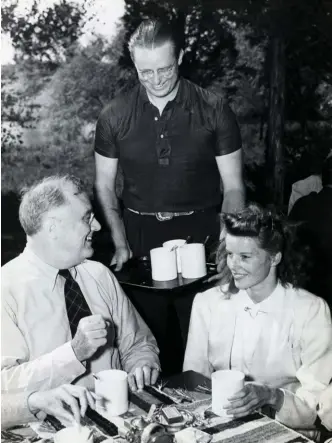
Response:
column 55, row 90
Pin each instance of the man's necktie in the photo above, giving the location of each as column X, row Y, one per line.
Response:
column 76, row 304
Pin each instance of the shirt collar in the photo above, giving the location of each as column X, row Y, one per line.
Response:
column 46, row 270
column 182, row 97
column 271, row 305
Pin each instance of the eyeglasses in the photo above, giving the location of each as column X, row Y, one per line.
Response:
column 88, row 218
column 148, row 74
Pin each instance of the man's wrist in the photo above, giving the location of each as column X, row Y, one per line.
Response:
column 119, row 239
column 33, row 403
column 79, row 357
column 120, row 246
column 36, row 404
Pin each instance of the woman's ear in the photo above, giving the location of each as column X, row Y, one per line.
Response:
column 276, row 259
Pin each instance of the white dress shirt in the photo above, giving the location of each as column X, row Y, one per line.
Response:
column 15, row 410
column 36, row 338
column 283, row 342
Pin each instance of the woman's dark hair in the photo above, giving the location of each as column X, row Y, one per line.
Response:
column 274, row 234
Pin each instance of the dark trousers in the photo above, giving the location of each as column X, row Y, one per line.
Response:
column 168, row 315
column 145, row 232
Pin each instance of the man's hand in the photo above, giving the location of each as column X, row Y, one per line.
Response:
column 91, row 334
column 252, row 397
column 142, row 376
column 57, row 401
column 122, row 255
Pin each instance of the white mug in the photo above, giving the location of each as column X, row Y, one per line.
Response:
column 225, row 384
column 112, row 387
column 193, row 262
column 74, row 434
column 163, row 264
column 170, row 244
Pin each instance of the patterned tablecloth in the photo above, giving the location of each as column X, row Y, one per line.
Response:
column 252, row 429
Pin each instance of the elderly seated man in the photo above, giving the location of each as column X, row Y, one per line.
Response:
column 65, row 317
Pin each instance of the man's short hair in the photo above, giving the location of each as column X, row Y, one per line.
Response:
column 153, row 33
column 327, row 171
column 44, row 195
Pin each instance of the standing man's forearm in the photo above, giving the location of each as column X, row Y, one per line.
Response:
column 234, row 200
column 105, row 185
column 230, row 169
column 112, row 214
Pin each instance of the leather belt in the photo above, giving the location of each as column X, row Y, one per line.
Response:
column 162, row 216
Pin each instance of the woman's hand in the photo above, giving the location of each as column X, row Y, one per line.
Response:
column 252, row 397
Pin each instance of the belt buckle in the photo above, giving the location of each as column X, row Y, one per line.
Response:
column 164, row 216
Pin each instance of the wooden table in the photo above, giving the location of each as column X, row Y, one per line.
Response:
column 164, row 306
column 251, row 429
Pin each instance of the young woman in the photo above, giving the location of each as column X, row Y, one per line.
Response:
column 262, row 323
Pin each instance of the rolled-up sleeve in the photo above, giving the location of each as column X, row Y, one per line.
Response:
column 228, row 136
column 196, row 355
column 315, row 372
column 105, row 138
column 136, row 343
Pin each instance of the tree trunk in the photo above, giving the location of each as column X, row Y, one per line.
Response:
column 274, row 152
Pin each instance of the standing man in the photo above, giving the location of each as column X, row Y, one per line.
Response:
column 173, row 141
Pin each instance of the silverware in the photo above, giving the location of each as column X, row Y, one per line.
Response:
column 206, row 240
column 184, row 394
column 204, row 389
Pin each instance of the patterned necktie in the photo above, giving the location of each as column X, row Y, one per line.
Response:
column 76, row 304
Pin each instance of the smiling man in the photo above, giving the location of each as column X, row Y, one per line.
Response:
column 174, row 142
column 65, row 317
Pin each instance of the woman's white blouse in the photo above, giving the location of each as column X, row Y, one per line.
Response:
column 284, row 341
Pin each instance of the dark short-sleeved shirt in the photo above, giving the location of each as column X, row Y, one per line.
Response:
column 168, row 160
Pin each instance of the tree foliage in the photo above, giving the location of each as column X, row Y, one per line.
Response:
column 82, row 87
column 44, row 35
column 227, row 49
